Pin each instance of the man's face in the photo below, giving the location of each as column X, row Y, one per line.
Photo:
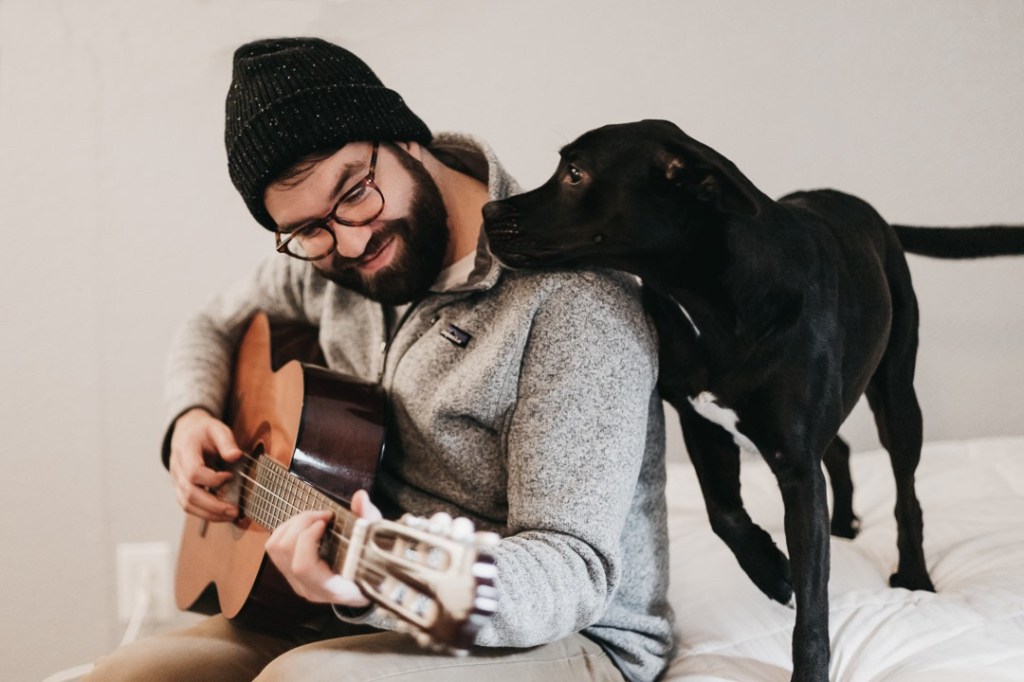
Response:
column 395, row 258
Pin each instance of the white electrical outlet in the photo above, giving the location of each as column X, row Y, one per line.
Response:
column 144, row 568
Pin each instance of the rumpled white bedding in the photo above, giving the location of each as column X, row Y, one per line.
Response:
column 971, row 630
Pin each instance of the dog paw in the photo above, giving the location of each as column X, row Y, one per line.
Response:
column 782, row 593
column 764, row 563
column 846, row 528
column 911, row 581
column 777, row 583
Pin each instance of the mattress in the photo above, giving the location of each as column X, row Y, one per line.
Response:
column 970, row 630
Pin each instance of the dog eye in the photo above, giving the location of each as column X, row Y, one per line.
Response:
column 574, row 175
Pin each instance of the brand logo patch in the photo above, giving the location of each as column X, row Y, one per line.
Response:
column 457, row 336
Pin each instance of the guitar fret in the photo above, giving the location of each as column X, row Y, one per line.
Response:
column 281, row 512
column 274, row 495
column 257, row 509
column 266, row 509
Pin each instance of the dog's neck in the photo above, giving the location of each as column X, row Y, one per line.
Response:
column 692, row 272
column 722, row 281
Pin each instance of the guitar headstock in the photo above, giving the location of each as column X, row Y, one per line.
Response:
column 436, row 575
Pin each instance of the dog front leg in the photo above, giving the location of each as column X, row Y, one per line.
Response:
column 807, row 537
column 716, row 460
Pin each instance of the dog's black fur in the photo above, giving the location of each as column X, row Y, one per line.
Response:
column 784, row 312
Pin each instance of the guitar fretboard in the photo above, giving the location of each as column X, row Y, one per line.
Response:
column 271, row 495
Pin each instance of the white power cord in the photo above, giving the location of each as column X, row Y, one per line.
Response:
column 143, row 598
column 142, row 601
column 71, row 673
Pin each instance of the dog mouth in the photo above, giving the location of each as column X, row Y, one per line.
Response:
column 515, row 249
column 515, row 259
column 503, row 233
column 510, row 244
column 501, row 221
column 501, row 224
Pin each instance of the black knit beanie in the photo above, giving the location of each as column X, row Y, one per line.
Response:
column 290, row 97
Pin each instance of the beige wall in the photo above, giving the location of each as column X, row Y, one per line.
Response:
column 119, row 218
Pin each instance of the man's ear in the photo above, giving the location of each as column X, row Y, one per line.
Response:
column 706, row 176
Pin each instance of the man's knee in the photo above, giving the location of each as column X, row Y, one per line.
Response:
column 210, row 650
column 342, row 659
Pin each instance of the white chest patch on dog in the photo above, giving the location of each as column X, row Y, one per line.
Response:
column 706, row 405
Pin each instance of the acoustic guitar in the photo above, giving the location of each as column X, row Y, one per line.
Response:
column 312, row 438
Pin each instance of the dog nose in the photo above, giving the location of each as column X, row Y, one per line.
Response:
column 499, row 213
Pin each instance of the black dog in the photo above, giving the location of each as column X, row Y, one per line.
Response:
column 773, row 319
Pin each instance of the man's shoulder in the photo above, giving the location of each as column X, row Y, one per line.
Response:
column 598, row 313
column 584, row 282
column 575, row 295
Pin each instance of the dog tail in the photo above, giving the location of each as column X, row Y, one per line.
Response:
column 962, row 242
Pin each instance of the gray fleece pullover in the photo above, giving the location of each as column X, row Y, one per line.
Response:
column 545, row 427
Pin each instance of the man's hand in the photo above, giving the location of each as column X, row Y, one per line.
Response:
column 197, row 436
column 294, row 549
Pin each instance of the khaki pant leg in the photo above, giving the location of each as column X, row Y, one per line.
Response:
column 213, row 650
column 396, row 657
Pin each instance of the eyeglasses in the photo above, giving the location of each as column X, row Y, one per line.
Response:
column 359, row 206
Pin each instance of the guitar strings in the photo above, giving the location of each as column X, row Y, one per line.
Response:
column 369, row 566
column 372, row 565
column 291, row 506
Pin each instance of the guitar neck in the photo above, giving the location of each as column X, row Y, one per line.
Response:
column 271, row 495
column 434, row 575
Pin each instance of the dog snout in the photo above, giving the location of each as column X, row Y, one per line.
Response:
column 501, row 220
column 499, row 213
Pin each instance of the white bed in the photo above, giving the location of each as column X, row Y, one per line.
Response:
column 971, row 630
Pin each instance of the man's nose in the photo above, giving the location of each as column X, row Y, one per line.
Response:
column 352, row 240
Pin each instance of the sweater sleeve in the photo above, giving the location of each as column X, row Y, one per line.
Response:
column 199, row 361
column 576, row 442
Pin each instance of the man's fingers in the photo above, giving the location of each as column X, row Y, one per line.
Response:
column 224, row 442
column 282, row 541
column 362, row 506
column 306, row 562
column 191, row 483
column 208, row 478
column 294, row 547
column 341, row 591
column 198, row 435
column 198, row 502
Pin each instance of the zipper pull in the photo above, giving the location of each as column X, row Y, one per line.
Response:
column 385, row 345
column 383, row 359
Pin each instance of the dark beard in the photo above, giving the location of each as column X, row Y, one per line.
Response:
column 421, row 242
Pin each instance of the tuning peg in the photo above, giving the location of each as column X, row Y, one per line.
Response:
column 485, row 570
column 462, row 528
column 487, row 538
column 413, row 521
column 440, row 523
column 484, row 605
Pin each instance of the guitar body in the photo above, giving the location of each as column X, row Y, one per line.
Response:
column 323, row 427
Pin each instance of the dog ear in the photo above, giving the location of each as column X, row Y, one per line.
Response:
column 707, row 176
